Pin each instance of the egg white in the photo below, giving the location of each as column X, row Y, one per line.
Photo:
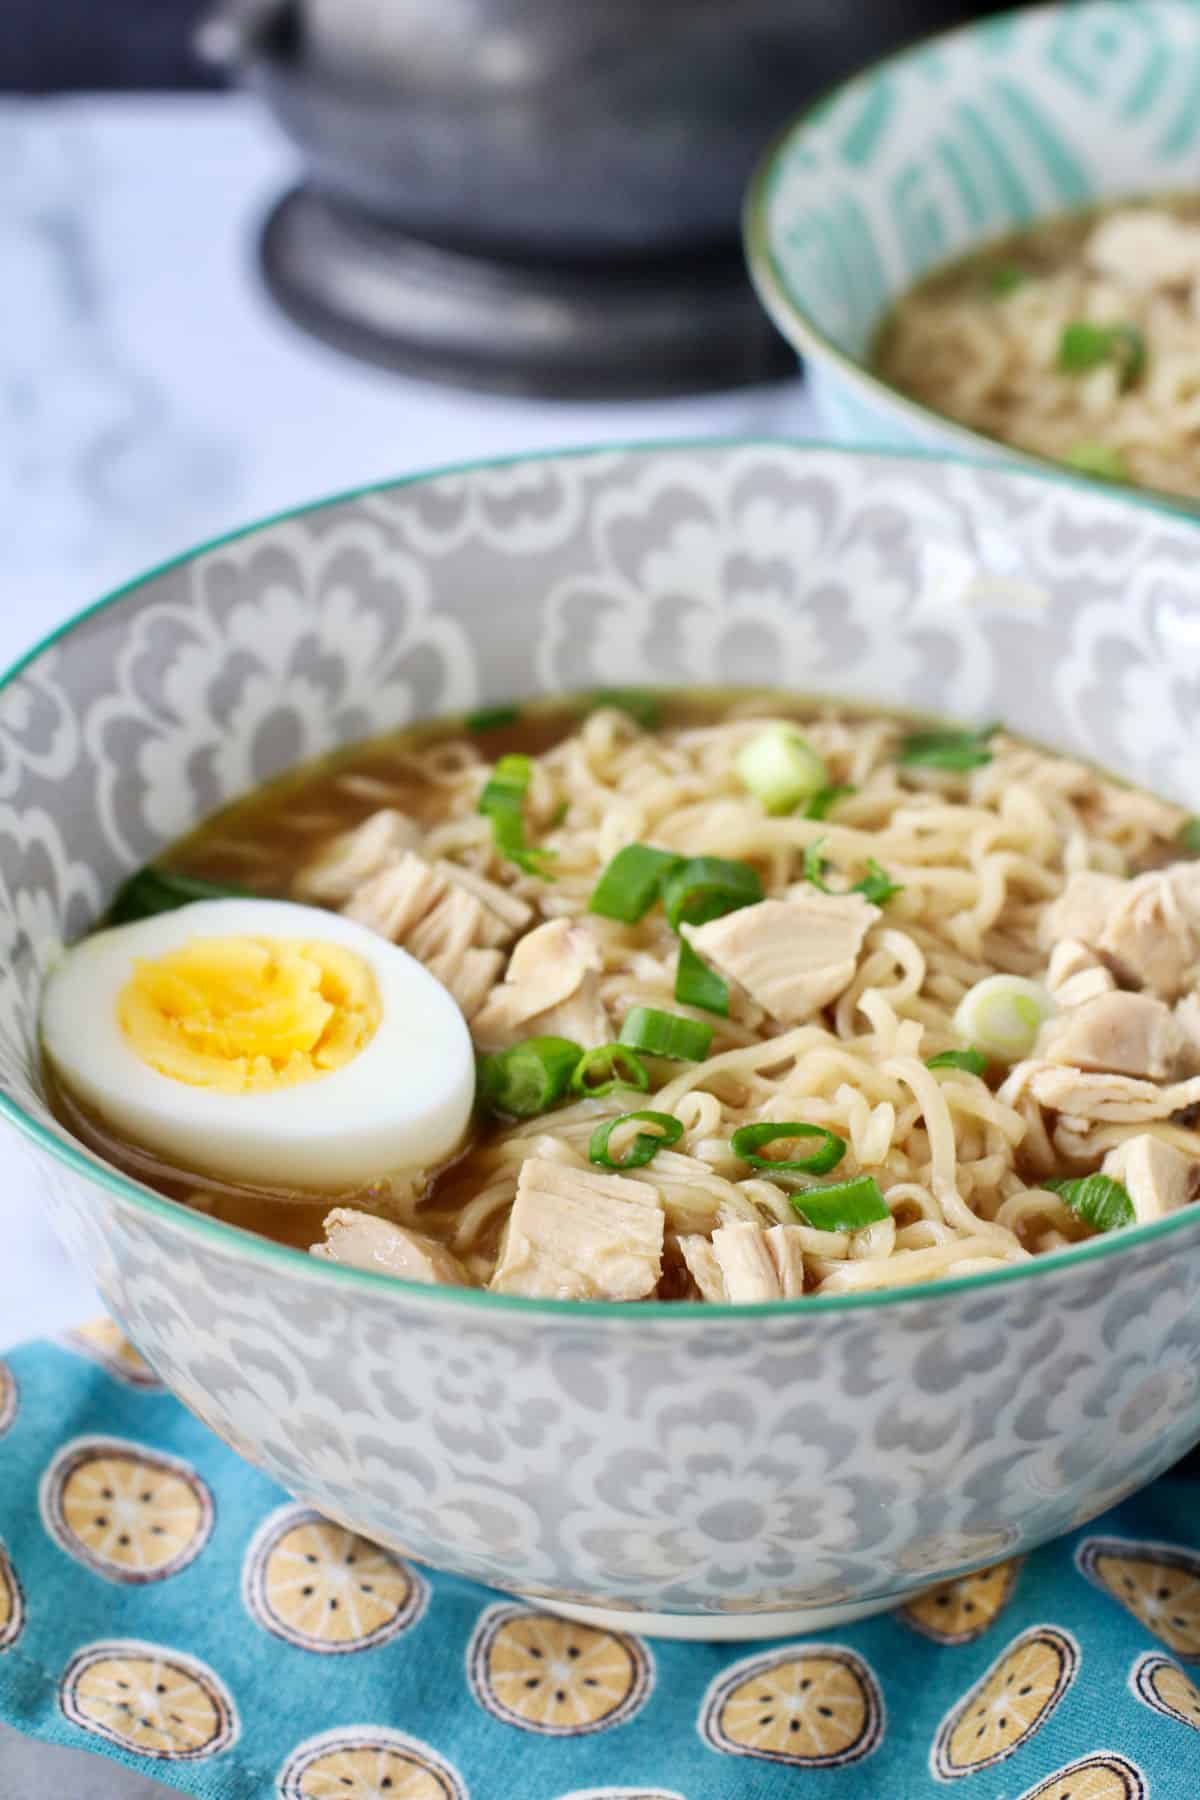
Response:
column 402, row 1103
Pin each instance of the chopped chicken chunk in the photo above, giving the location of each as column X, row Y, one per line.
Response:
column 1125, row 1034
column 743, row 1264
column 1158, row 1178
column 362, row 1241
column 1089, row 984
column 574, row 1234
column 1187, row 1013
column 1149, row 936
column 792, row 956
column 548, row 989
column 1081, row 910
column 1145, row 249
column 397, row 897
column 698, row 1253
column 436, row 919
column 1116, row 1099
column 1068, row 958
column 1147, row 930
column 355, row 857
column 506, row 915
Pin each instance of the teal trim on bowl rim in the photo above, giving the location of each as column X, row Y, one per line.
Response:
column 622, row 1314
column 807, row 337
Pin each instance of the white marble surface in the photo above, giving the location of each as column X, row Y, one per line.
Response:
column 150, row 398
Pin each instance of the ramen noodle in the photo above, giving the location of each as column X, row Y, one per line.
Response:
column 887, row 1002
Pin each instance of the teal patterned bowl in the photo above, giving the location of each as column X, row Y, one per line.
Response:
column 939, row 150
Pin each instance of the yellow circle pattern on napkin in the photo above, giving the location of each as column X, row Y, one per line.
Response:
column 102, row 1341
column 1008, row 1704
column 1099, row 1777
column 959, row 1611
column 155, row 1702
column 552, row 1676
column 365, row 1762
column 12, row 1602
column 817, row 1708
column 323, row 1588
column 1158, row 1583
column 1159, row 1684
column 131, row 1514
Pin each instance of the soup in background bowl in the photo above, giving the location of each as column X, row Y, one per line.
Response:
column 590, row 1452
column 996, row 141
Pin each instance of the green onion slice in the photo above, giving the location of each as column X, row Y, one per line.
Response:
column 1101, row 460
column 645, row 1146
column 527, row 1079
column 1100, row 1202
column 503, row 802
column 843, row 1206
column 666, row 1034
column 153, row 891
column 748, row 1140
column 974, row 1062
column 876, row 885
column 1085, row 346
column 631, row 883
column 645, row 709
column 708, row 887
column 698, row 985
column 823, row 802
column 780, row 768
column 947, row 749
column 1005, row 279
column 492, row 718
column 1189, row 836
column 599, row 1072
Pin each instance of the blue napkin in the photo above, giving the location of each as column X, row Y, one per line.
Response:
column 164, row 1604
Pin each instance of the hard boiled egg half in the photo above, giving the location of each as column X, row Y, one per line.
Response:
column 263, row 1042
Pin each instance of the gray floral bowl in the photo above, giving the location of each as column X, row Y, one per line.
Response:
column 717, row 1471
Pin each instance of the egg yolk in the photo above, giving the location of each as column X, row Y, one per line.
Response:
column 245, row 1015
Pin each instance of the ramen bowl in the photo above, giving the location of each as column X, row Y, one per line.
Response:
column 713, row 1471
column 938, row 151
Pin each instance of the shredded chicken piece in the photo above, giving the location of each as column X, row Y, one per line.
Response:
column 1158, row 1178
column 1146, row 930
column 507, row 915
column 1149, row 936
column 575, row 1234
column 742, row 1263
column 361, row 1241
column 549, row 989
column 1116, row 1099
column 1187, row 1014
column 355, row 857
column 435, row 919
column 1125, row 1034
column 1081, row 911
column 1145, row 249
column 792, row 956
column 1069, row 958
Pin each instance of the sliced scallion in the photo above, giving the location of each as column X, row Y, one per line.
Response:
column 822, row 803
column 645, row 709
column 527, row 1079
column 1084, row 346
column 1004, row 279
column 1101, row 460
column 1098, row 1200
column 503, row 802
column 780, row 768
column 631, row 883
column 601, row 1071
column 876, row 885
column 153, row 891
column 748, row 1140
column 666, row 1034
column 1189, row 836
column 698, row 985
column 972, row 1062
column 708, row 887
column 843, row 1206
column 492, row 718
column 645, row 1146
column 1003, row 1014
column 956, row 750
